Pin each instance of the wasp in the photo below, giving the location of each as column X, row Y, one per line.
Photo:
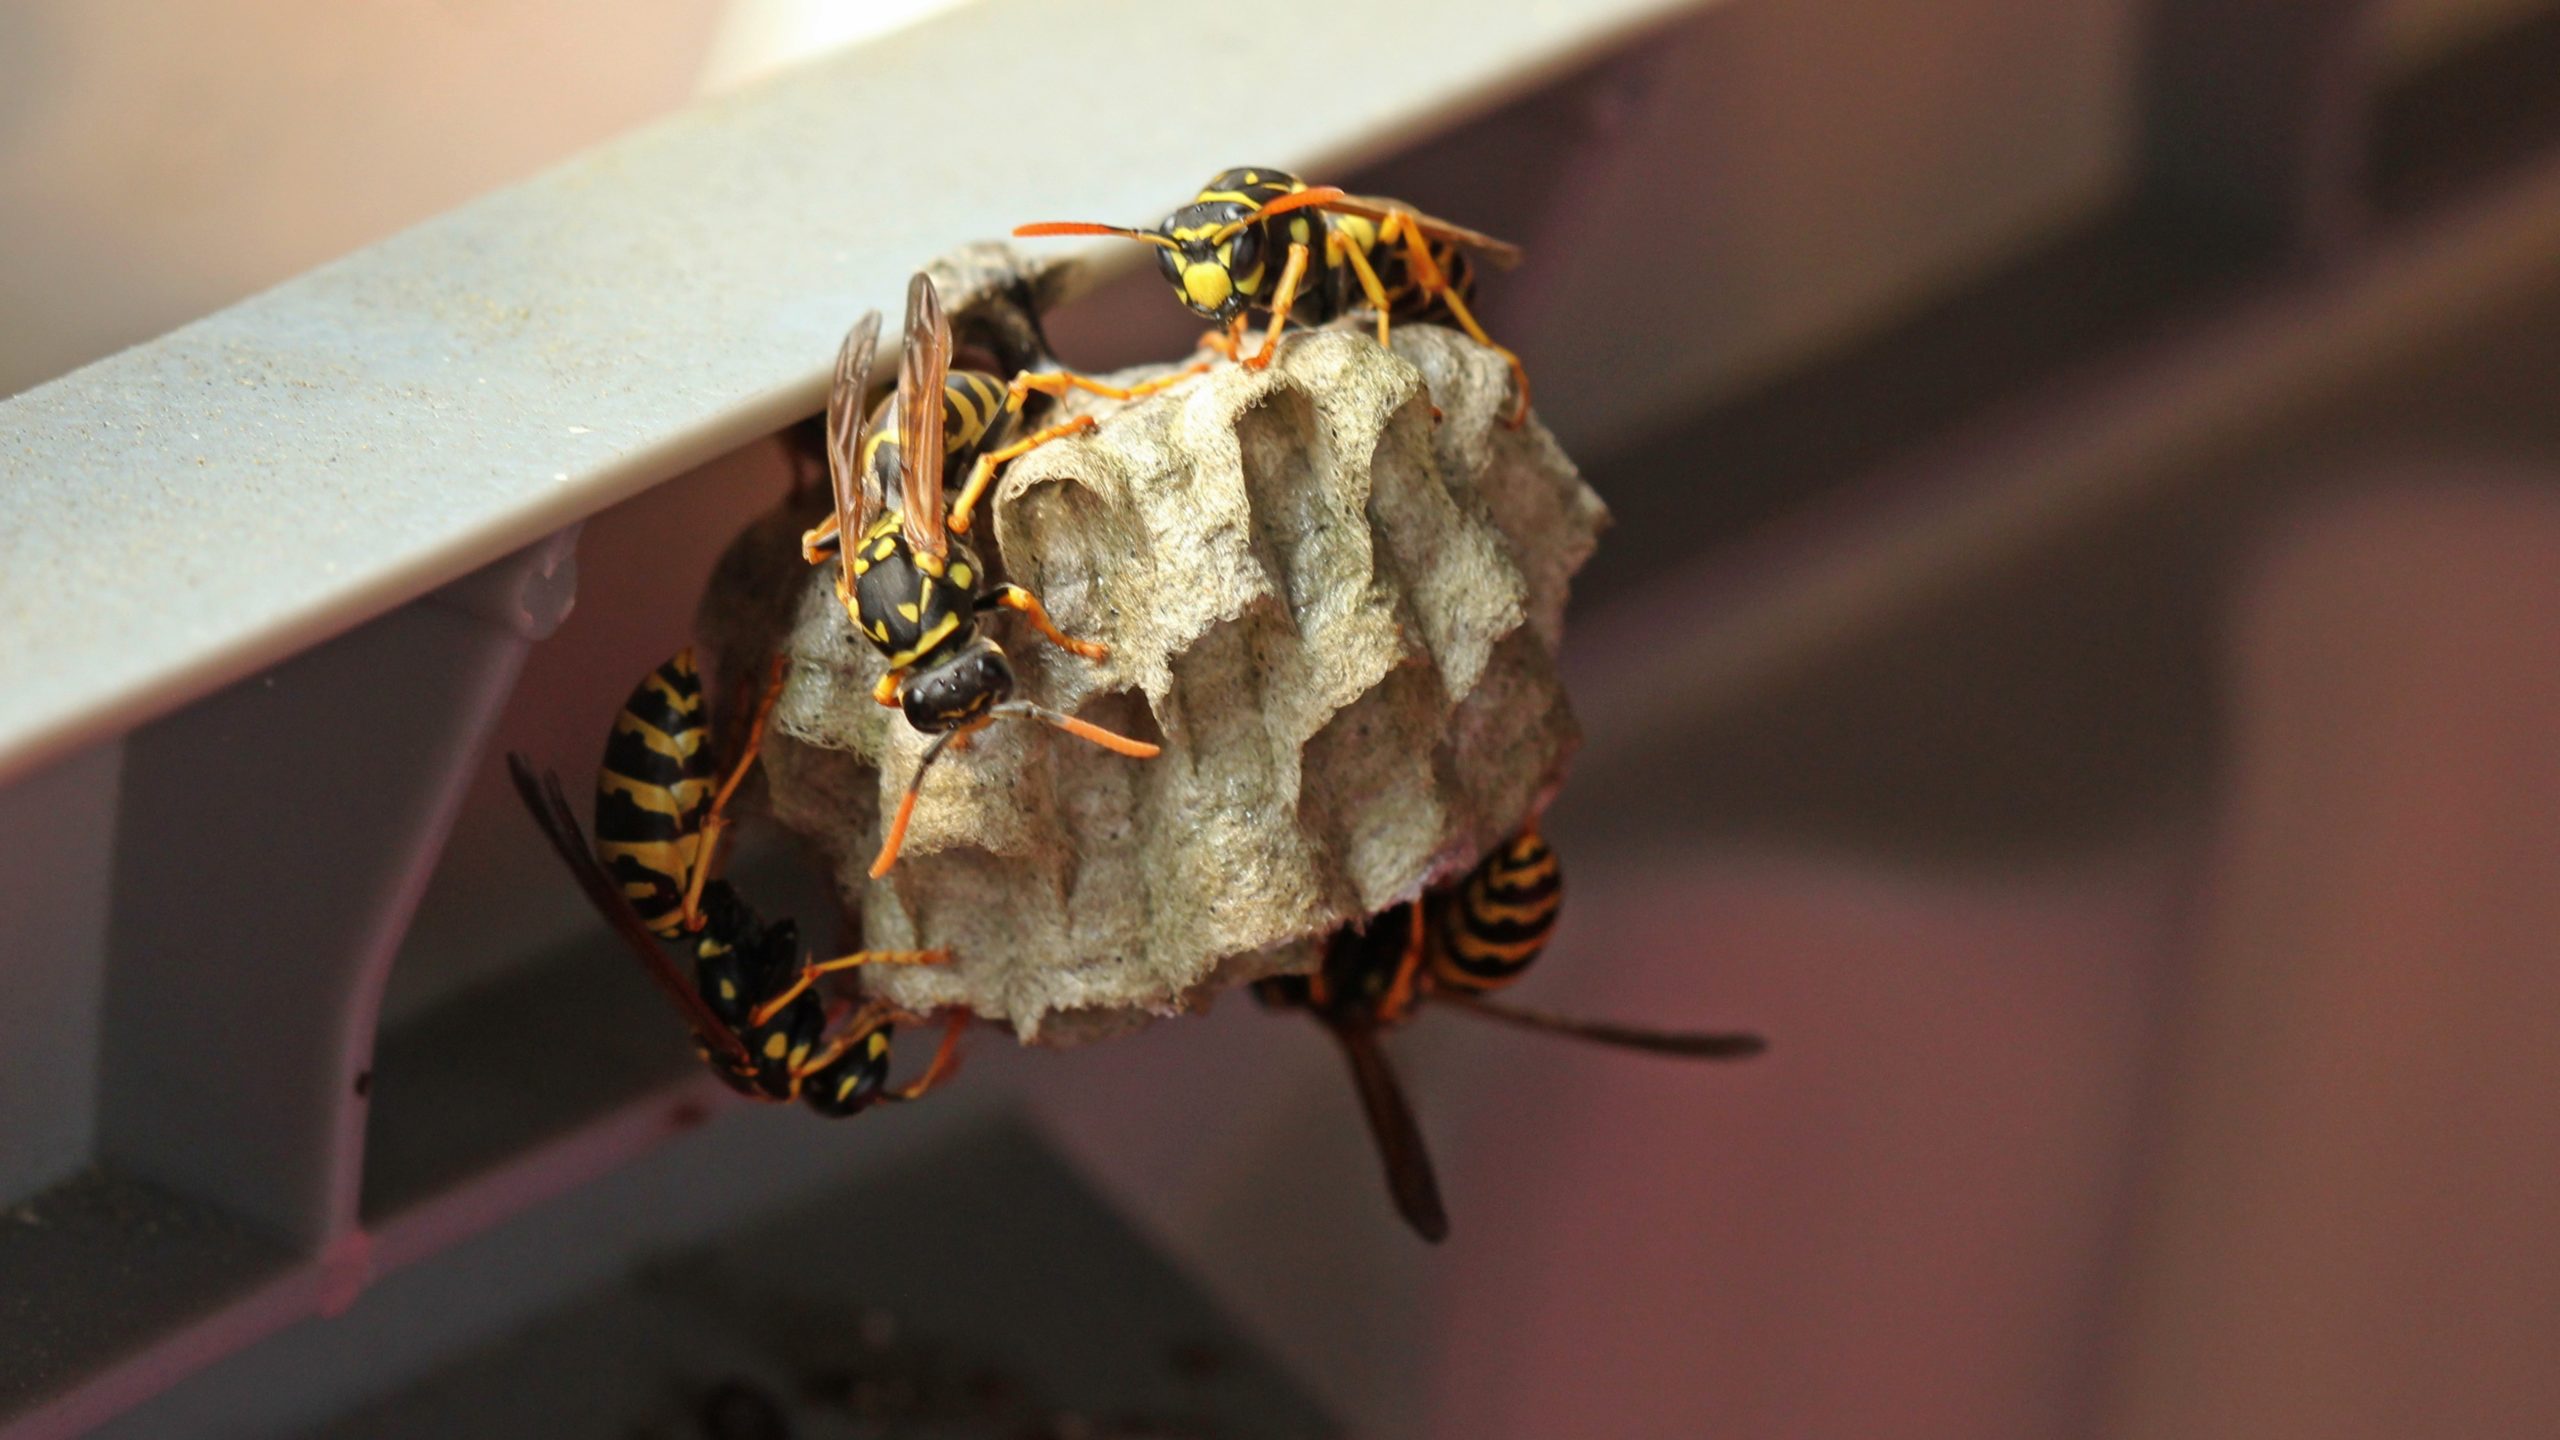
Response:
column 756, row 1018
column 1219, row 252
column 1455, row 946
column 908, row 587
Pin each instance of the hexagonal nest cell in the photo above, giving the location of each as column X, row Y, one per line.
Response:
column 1332, row 589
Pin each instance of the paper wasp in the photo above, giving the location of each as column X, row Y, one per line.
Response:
column 756, row 1019
column 1219, row 251
column 1453, row 947
column 909, row 588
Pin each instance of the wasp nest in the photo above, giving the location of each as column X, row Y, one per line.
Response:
column 1337, row 611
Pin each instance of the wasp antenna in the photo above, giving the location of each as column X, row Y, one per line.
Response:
column 1312, row 198
column 1083, row 730
column 897, row 836
column 1080, row 227
column 1687, row 1044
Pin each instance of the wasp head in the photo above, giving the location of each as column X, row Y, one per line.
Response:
column 948, row 695
column 1213, row 261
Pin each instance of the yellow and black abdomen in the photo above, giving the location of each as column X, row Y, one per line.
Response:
column 1495, row 923
column 657, row 781
column 973, row 420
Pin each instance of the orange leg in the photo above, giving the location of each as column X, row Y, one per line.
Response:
column 716, row 820
column 809, row 974
column 1059, row 382
column 1014, row 597
column 819, row 541
column 1341, row 246
column 946, row 1059
column 872, row 1015
column 885, row 690
column 1398, row 1004
column 984, row 471
column 1230, row 341
column 1428, row 276
column 1281, row 300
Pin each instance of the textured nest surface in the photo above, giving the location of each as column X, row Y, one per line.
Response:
column 1340, row 618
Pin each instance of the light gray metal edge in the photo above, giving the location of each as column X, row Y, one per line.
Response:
column 199, row 507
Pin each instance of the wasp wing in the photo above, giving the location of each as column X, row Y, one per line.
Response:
column 550, row 810
column 848, row 424
column 1409, row 1176
column 1502, row 253
column 922, row 367
column 1690, row 1044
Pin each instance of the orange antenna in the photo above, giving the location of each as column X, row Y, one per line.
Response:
column 1079, row 227
column 1313, row 197
column 1118, row 744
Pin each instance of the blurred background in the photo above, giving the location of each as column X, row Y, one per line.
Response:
column 2078, row 666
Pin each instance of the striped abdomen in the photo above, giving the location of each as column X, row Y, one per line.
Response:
column 657, row 781
column 972, row 410
column 855, row 1081
column 1494, row 924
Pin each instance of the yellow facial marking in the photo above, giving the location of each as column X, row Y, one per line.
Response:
column 776, row 1046
column 1206, row 286
column 728, row 990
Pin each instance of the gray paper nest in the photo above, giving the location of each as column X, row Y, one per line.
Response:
column 1339, row 617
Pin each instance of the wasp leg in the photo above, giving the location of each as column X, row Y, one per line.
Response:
column 1281, row 301
column 1397, row 1005
column 984, row 471
column 1228, row 342
column 1433, row 282
column 872, row 1015
column 1059, row 382
column 809, row 974
column 885, row 689
column 946, row 1059
column 1339, row 245
column 818, row 542
column 1014, row 597
column 716, row 820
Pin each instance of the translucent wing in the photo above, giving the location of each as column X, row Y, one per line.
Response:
column 1409, row 1176
column 848, row 422
column 550, row 810
column 921, row 370
column 1691, row 1044
column 1502, row 253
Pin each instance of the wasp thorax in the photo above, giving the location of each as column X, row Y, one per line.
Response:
column 960, row 689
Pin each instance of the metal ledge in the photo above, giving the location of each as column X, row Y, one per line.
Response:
column 193, row 509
